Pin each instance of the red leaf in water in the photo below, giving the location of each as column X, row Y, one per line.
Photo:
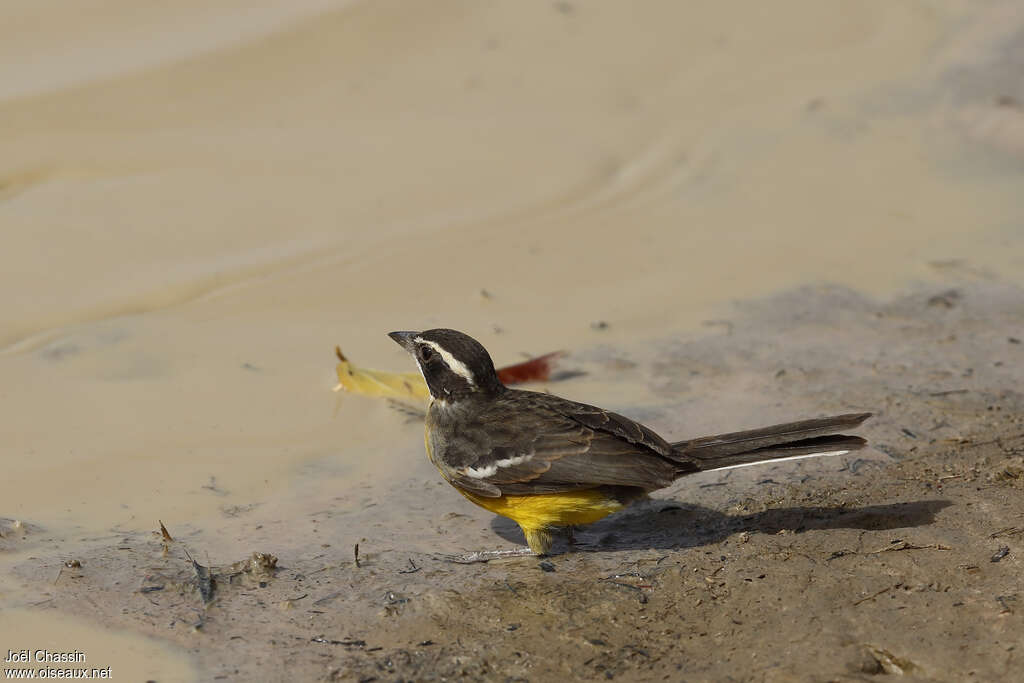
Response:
column 534, row 370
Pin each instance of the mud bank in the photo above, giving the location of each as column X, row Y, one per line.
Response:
column 902, row 558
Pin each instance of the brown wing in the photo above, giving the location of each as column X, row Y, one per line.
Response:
column 538, row 443
column 601, row 420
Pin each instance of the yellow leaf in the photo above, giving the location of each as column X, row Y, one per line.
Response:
column 401, row 385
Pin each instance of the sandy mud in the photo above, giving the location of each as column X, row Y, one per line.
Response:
column 903, row 558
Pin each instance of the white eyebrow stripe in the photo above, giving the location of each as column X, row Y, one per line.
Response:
column 456, row 365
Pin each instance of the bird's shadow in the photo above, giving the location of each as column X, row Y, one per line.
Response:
column 669, row 525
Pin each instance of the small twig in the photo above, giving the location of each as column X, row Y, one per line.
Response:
column 638, row 589
column 355, row 552
column 836, row 554
column 910, row 546
column 622, row 575
column 486, row 555
column 876, row 594
column 347, row 643
column 1008, row 531
column 948, row 392
column 975, row 444
column 327, row 598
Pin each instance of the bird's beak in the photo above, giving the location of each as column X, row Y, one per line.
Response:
column 404, row 339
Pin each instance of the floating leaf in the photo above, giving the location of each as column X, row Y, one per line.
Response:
column 534, row 370
column 378, row 383
column 406, row 385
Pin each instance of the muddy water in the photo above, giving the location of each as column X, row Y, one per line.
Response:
column 196, row 205
column 124, row 656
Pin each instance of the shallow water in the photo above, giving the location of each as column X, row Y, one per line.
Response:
column 197, row 205
column 125, row 656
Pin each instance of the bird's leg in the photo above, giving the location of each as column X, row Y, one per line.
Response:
column 570, row 536
column 540, row 539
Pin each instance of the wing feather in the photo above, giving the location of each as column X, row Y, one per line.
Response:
column 527, row 443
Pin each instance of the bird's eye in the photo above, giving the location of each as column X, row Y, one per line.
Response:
column 426, row 353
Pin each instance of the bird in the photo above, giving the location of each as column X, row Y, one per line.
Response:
column 549, row 463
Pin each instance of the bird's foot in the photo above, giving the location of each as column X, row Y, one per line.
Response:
column 488, row 555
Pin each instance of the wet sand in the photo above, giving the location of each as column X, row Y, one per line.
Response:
column 905, row 555
column 198, row 202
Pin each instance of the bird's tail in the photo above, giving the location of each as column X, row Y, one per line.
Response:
column 804, row 439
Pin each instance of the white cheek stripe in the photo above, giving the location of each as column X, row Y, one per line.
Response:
column 792, row 457
column 456, row 365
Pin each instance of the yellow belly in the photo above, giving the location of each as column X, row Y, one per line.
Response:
column 569, row 508
column 538, row 514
